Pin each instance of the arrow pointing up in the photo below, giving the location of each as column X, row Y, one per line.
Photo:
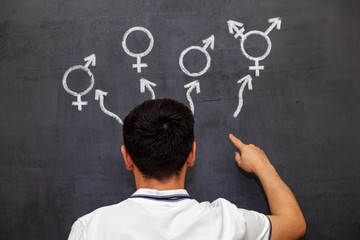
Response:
column 275, row 22
column 247, row 80
column 234, row 26
column 191, row 86
column 90, row 60
column 99, row 96
column 147, row 84
column 209, row 42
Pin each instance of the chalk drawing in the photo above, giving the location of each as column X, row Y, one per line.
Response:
column 90, row 60
column 247, row 80
column 207, row 42
column 138, row 56
column 99, row 96
column 234, row 26
column 147, row 84
column 195, row 84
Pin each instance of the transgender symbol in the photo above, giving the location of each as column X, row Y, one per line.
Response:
column 195, row 84
column 138, row 56
column 233, row 29
column 90, row 60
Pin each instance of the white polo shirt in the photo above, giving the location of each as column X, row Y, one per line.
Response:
column 152, row 214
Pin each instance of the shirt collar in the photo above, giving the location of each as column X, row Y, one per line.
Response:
column 167, row 195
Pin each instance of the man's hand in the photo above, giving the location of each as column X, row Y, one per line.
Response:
column 286, row 217
column 250, row 158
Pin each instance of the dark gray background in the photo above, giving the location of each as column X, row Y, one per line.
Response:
column 57, row 164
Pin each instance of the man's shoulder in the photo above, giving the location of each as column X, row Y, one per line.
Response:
column 104, row 210
column 220, row 203
column 225, row 207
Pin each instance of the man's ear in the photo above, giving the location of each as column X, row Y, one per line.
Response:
column 127, row 159
column 191, row 158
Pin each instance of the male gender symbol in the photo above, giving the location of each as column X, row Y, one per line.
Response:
column 195, row 84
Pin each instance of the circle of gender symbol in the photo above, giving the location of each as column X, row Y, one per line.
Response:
column 255, row 32
column 257, row 67
column 196, row 74
column 78, row 102
column 138, row 56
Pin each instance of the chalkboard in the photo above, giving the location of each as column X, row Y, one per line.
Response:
column 284, row 75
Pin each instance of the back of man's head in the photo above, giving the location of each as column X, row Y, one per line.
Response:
column 158, row 136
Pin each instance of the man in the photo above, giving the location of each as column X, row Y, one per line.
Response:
column 158, row 148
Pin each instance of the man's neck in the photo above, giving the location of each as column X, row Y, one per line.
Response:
column 155, row 184
column 175, row 182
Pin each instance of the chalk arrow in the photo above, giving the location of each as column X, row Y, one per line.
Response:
column 275, row 22
column 99, row 96
column 209, row 42
column 247, row 80
column 90, row 60
column 195, row 84
column 147, row 84
column 234, row 28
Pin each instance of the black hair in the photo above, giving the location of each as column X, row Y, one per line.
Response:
column 158, row 136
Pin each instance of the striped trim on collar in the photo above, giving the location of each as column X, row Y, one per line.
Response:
column 168, row 196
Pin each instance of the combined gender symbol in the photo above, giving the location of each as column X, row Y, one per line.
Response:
column 99, row 95
column 234, row 27
column 90, row 60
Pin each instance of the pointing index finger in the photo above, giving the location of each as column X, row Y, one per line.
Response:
column 239, row 144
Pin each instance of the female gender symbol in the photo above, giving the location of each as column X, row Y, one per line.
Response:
column 138, row 56
column 78, row 102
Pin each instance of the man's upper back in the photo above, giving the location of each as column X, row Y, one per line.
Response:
column 151, row 214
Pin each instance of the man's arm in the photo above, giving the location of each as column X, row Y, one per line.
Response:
column 286, row 217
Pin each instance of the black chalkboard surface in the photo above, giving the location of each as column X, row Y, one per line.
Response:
column 284, row 75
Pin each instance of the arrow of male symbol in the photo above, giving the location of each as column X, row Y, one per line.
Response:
column 99, row 96
column 209, row 42
column 90, row 60
column 147, row 84
column 195, row 84
column 275, row 22
column 247, row 80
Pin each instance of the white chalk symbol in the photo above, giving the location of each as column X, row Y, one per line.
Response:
column 147, row 84
column 207, row 42
column 138, row 56
column 247, row 80
column 99, row 96
column 90, row 60
column 193, row 85
column 238, row 30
